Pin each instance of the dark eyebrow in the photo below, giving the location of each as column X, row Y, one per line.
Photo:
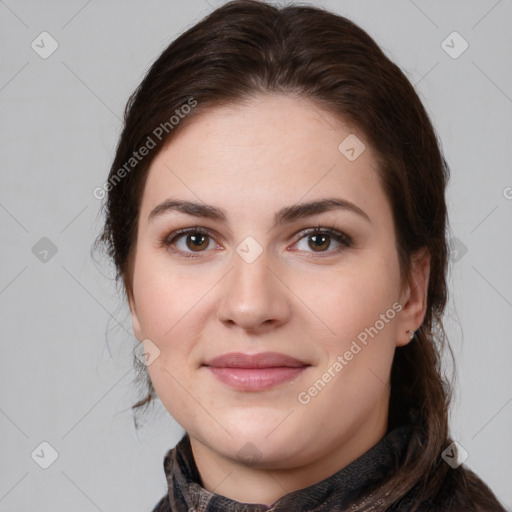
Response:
column 301, row 210
column 284, row 216
column 190, row 208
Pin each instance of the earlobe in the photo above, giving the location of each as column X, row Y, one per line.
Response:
column 415, row 298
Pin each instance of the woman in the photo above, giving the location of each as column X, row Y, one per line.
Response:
column 276, row 213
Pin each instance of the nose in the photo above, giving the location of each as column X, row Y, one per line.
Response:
column 254, row 296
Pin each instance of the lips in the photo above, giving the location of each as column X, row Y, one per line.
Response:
column 262, row 360
column 255, row 372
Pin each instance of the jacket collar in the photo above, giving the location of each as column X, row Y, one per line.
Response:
column 185, row 492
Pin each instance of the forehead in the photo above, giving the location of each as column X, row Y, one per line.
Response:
column 260, row 155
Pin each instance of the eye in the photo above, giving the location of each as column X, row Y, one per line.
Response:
column 189, row 241
column 320, row 239
column 186, row 242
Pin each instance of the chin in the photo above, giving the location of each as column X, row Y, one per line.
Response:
column 258, row 441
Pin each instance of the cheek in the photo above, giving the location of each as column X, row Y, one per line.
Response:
column 164, row 297
column 349, row 301
column 358, row 308
column 177, row 392
column 168, row 306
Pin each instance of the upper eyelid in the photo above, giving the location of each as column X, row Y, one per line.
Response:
column 299, row 235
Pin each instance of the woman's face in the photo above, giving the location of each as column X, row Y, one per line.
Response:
column 260, row 280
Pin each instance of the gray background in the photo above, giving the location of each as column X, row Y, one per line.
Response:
column 60, row 120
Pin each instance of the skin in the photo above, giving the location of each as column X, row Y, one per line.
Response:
column 311, row 304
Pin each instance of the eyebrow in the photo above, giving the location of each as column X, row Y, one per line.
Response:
column 286, row 215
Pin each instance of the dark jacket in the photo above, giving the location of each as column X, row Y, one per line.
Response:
column 462, row 490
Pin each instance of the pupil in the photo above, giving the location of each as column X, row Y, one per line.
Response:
column 197, row 241
column 316, row 238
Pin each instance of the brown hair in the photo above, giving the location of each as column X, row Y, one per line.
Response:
column 248, row 47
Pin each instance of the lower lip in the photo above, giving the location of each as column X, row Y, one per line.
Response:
column 256, row 379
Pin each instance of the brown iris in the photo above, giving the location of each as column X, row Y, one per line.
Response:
column 324, row 244
column 198, row 241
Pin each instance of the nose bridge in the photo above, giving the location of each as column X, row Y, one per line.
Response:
column 251, row 267
column 252, row 295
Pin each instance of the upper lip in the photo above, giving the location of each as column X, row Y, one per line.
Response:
column 262, row 360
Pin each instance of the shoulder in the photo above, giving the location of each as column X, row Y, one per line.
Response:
column 460, row 489
column 463, row 488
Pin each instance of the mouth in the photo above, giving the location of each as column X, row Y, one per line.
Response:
column 255, row 372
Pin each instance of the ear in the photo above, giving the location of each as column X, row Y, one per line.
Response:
column 414, row 297
column 135, row 319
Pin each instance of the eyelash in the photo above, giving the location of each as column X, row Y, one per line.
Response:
column 344, row 239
